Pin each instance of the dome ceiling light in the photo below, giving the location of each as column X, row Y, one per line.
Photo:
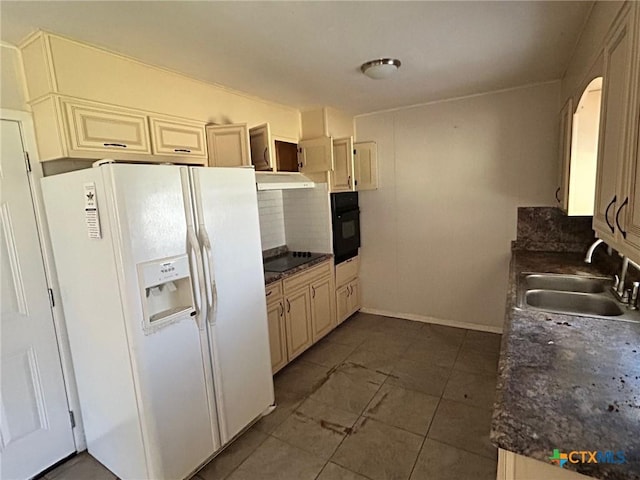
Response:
column 380, row 68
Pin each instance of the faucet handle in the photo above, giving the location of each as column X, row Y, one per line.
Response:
column 633, row 300
column 616, row 281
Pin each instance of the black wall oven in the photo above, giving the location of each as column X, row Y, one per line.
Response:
column 346, row 225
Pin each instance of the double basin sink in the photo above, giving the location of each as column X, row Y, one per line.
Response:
column 572, row 295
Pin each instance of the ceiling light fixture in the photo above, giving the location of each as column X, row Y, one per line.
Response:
column 380, row 68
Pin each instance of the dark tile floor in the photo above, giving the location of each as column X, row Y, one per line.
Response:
column 379, row 398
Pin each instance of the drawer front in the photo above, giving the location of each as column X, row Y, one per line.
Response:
column 178, row 139
column 99, row 128
column 347, row 270
column 307, row 276
column 274, row 291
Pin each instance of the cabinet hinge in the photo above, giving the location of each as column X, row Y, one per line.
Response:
column 52, row 302
column 72, row 418
column 354, row 151
column 27, row 161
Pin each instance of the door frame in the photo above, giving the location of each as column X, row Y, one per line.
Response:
column 25, row 120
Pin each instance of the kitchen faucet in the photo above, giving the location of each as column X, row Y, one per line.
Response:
column 592, row 249
column 630, row 297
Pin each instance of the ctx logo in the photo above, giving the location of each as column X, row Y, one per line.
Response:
column 587, row 456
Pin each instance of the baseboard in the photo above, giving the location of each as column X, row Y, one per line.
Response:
column 434, row 320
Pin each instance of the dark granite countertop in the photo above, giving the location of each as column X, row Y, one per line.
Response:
column 567, row 382
column 270, row 277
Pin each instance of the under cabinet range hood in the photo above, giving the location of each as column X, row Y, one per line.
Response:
column 282, row 181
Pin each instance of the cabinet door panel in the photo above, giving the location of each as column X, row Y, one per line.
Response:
column 342, row 173
column 260, row 144
column 616, row 89
column 365, row 166
column 342, row 301
column 298, row 322
column 277, row 335
column 100, row 128
column 354, row 296
column 322, row 307
column 316, row 155
column 173, row 138
column 228, row 145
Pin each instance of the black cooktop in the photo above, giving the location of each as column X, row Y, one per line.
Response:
column 289, row 260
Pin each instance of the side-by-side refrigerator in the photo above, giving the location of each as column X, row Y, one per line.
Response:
column 161, row 279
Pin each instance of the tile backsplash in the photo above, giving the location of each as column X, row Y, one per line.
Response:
column 271, row 212
column 299, row 219
column 307, row 219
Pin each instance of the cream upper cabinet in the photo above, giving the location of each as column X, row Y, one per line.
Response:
column 615, row 128
column 365, row 165
column 342, row 174
column 73, row 128
column 261, row 147
column 102, row 129
column 315, row 155
column 171, row 137
column 562, row 192
column 628, row 214
column 228, row 145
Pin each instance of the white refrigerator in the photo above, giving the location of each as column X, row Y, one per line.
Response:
column 162, row 286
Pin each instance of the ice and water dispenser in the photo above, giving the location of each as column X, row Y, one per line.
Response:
column 167, row 294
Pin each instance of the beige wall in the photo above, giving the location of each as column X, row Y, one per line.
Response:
column 11, row 92
column 436, row 234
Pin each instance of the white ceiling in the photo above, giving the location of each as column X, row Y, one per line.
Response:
column 307, row 54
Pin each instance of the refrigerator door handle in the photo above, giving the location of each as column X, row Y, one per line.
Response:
column 197, row 280
column 209, row 280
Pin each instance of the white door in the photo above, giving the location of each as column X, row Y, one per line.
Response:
column 227, row 213
column 35, row 428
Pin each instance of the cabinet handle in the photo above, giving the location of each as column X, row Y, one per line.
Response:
column 558, row 195
column 281, row 308
column 121, row 145
column 349, row 181
column 313, row 292
column 606, row 213
column 348, row 293
column 624, row 234
column 264, row 155
column 182, row 150
column 269, row 292
column 288, row 306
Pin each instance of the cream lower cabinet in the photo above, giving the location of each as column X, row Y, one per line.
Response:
column 348, row 289
column 323, row 309
column 277, row 327
column 301, row 310
column 512, row 466
column 298, row 322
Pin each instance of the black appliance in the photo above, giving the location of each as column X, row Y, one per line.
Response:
column 289, row 260
column 345, row 219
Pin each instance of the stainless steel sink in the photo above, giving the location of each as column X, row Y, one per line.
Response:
column 573, row 303
column 573, row 295
column 565, row 283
